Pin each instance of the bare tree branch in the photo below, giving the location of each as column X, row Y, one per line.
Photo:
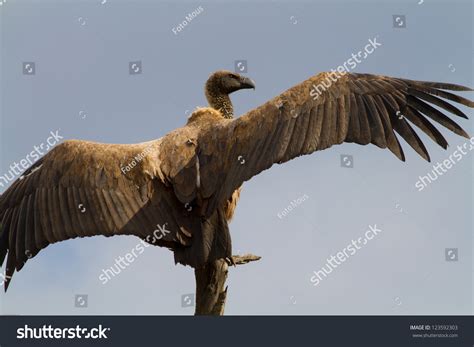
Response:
column 244, row 259
column 210, row 280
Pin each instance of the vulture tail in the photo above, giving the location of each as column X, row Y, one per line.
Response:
column 212, row 241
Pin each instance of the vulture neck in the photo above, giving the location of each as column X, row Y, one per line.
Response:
column 221, row 102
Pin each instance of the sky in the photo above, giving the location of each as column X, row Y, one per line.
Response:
column 82, row 87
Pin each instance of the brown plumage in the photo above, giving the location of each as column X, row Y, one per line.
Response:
column 217, row 89
column 183, row 191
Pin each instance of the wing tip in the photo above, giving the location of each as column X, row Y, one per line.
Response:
column 465, row 134
column 427, row 157
column 445, row 86
column 399, row 154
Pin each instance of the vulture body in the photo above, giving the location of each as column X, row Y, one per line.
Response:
column 183, row 188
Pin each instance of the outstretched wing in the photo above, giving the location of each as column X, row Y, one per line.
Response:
column 84, row 189
column 318, row 113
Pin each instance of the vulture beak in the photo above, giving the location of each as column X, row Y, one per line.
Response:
column 246, row 83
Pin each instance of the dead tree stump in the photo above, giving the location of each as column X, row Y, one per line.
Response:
column 211, row 292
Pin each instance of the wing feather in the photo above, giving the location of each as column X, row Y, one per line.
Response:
column 365, row 133
column 392, row 141
column 77, row 190
column 359, row 108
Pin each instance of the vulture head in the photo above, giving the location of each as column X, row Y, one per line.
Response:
column 222, row 83
column 228, row 82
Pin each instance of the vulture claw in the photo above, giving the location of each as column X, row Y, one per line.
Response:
column 230, row 261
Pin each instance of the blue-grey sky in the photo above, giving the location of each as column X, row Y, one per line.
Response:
column 82, row 87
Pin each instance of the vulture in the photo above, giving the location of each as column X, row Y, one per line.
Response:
column 180, row 191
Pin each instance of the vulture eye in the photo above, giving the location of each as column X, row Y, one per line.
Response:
column 234, row 76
